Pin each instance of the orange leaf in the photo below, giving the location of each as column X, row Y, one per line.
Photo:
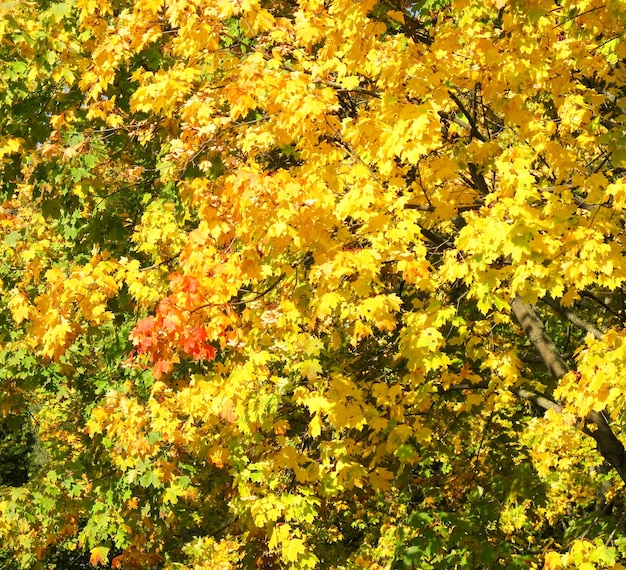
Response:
column 99, row 556
column 161, row 367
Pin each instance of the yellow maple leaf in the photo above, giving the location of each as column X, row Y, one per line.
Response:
column 19, row 305
column 315, row 426
column 552, row 561
column 96, row 422
column 99, row 556
column 293, row 549
column 310, row 369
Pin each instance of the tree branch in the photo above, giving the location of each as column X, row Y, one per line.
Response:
column 464, row 386
column 474, row 132
column 539, row 400
column 535, row 332
column 573, row 318
column 602, row 304
column 460, row 122
column 596, row 424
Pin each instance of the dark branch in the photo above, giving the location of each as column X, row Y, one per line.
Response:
column 478, row 179
column 596, row 424
column 573, row 318
column 602, row 304
column 474, row 132
column 452, row 119
column 464, row 386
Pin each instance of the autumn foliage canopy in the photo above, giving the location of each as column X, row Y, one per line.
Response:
column 312, row 284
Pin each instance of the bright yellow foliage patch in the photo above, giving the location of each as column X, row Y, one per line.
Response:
column 313, row 284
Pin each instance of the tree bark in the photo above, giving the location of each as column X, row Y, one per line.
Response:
column 533, row 327
column 596, row 424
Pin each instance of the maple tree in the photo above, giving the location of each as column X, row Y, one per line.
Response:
column 305, row 284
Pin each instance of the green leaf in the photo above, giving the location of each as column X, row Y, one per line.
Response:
column 150, row 478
